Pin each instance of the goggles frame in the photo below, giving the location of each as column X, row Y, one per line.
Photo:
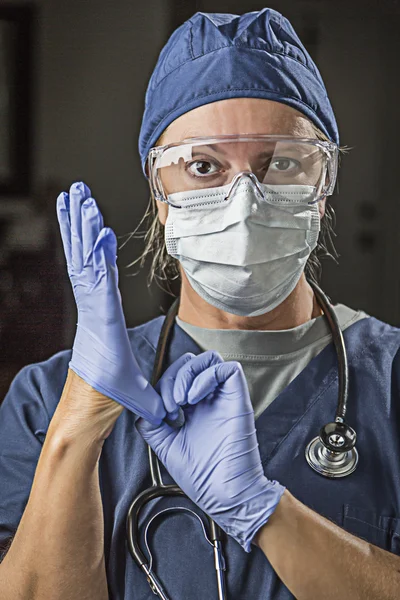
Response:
column 330, row 149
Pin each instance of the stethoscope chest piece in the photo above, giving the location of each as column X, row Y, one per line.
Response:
column 333, row 453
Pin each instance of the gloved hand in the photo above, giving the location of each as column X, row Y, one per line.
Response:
column 101, row 354
column 214, row 457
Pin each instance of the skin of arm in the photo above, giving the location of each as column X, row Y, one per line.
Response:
column 58, row 549
column 317, row 559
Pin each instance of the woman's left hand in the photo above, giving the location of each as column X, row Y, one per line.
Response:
column 214, row 456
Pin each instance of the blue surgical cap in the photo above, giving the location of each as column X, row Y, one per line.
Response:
column 218, row 56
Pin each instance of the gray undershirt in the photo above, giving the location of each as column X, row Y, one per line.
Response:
column 271, row 359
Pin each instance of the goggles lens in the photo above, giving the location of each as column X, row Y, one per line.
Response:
column 215, row 162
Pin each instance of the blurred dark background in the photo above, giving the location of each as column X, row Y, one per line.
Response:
column 72, row 80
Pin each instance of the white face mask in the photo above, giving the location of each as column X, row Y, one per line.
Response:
column 244, row 255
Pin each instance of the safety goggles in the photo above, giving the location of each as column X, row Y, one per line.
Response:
column 197, row 164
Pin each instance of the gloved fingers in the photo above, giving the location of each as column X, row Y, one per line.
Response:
column 104, row 253
column 189, row 371
column 166, row 383
column 62, row 207
column 110, row 246
column 92, row 223
column 230, row 374
column 203, row 385
column 155, row 435
column 176, row 419
column 78, row 193
column 229, row 370
column 231, row 377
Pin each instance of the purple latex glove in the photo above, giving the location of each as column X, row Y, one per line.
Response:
column 101, row 354
column 214, row 457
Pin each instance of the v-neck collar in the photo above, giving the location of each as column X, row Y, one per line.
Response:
column 276, row 422
column 288, row 409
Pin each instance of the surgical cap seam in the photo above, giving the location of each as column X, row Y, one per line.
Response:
column 241, row 48
column 273, row 16
column 229, row 90
column 189, row 60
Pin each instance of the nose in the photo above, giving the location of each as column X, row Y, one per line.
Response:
column 242, row 176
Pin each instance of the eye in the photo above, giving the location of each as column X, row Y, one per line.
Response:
column 202, row 168
column 283, row 164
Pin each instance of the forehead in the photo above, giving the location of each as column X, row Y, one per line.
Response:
column 238, row 116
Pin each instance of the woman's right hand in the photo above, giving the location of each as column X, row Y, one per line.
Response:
column 102, row 356
column 214, row 457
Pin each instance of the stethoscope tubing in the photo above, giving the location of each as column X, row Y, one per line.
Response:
column 338, row 341
column 158, row 490
column 331, row 454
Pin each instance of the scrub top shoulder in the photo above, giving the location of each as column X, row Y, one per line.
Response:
column 367, row 503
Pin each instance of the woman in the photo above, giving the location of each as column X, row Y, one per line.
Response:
column 242, row 211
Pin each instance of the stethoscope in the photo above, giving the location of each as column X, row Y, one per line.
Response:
column 331, row 454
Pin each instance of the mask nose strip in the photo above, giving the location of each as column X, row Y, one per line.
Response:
column 237, row 180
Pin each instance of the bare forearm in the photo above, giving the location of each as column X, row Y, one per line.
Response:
column 317, row 559
column 58, row 550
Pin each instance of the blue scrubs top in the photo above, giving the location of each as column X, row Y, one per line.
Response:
column 366, row 503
